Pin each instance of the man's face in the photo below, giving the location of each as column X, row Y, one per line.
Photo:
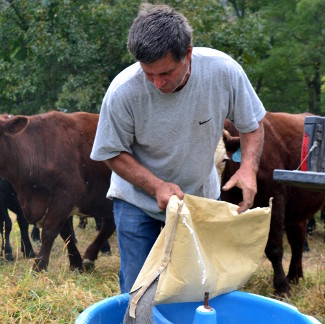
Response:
column 167, row 74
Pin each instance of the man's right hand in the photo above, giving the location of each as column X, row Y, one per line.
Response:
column 132, row 171
column 164, row 191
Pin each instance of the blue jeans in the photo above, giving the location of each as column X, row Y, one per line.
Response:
column 136, row 234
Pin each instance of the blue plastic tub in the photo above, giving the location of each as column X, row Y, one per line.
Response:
column 235, row 307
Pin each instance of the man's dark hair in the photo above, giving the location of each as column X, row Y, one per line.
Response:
column 157, row 31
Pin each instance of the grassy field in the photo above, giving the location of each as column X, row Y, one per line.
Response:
column 59, row 295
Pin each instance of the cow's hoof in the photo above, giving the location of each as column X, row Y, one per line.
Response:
column 107, row 252
column 88, row 265
column 283, row 292
column 6, row 259
column 106, row 248
column 82, row 225
column 283, row 295
column 6, row 256
column 282, row 288
column 39, row 265
column 29, row 255
column 36, row 268
column 293, row 280
column 76, row 268
column 9, row 258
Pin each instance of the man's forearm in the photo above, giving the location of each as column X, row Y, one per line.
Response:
column 245, row 177
column 128, row 168
column 251, row 148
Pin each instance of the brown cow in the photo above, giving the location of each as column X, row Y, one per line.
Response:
column 292, row 206
column 46, row 159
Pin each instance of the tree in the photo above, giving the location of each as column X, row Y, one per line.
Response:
column 295, row 65
column 64, row 54
column 61, row 55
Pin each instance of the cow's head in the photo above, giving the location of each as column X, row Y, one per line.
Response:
column 9, row 128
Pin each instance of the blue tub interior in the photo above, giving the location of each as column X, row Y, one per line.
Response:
column 236, row 307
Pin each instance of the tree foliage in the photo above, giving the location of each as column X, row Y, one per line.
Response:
column 63, row 54
column 295, row 65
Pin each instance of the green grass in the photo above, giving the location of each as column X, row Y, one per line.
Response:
column 59, row 295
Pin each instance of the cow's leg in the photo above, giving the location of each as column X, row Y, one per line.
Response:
column 311, row 226
column 106, row 230
column 5, row 228
column 51, row 228
column 105, row 248
column 274, row 253
column 82, row 222
column 26, row 246
column 306, row 245
column 322, row 217
column 274, row 247
column 36, row 236
column 41, row 261
column 74, row 255
column 296, row 234
column 73, row 235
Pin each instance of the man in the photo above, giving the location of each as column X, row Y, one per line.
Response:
column 160, row 123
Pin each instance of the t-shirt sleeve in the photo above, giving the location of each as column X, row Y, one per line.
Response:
column 115, row 130
column 246, row 109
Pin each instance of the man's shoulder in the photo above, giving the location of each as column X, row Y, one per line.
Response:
column 207, row 52
column 125, row 85
column 215, row 60
column 126, row 76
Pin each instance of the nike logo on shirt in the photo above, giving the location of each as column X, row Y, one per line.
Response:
column 203, row 122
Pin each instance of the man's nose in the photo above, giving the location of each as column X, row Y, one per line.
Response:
column 159, row 81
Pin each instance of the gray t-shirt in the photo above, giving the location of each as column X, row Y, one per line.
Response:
column 175, row 135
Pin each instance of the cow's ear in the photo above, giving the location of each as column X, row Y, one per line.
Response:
column 15, row 125
column 232, row 143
